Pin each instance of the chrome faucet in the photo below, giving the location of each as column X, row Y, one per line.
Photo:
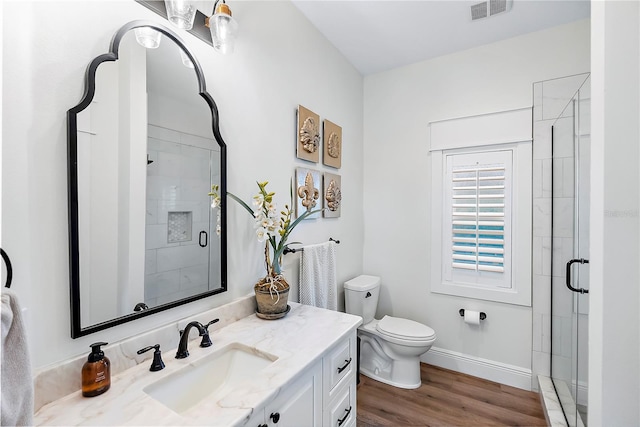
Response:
column 184, row 338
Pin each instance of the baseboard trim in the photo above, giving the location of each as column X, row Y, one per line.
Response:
column 491, row 370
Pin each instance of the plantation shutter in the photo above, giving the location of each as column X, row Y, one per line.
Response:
column 478, row 217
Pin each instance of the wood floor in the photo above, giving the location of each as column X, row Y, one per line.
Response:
column 447, row 398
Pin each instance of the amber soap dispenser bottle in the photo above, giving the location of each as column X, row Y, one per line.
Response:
column 96, row 372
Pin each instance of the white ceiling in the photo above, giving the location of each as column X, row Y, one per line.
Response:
column 378, row 35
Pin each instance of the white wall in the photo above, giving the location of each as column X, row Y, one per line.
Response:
column 280, row 62
column 398, row 106
column 614, row 323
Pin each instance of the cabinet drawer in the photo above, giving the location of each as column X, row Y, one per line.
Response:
column 339, row 364
column 341, row 412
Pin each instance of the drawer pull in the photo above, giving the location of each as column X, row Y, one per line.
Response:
column 275, row 417
column 342, row 368
column 343, row 419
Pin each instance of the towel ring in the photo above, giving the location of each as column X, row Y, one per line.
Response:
column 7, row 261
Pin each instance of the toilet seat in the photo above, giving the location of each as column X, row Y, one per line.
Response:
column 404, row 329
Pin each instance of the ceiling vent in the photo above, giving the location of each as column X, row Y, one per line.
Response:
column 479, row 11
column 490, row 8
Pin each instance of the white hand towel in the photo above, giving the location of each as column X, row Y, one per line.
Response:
column 17, row 384
column 318, row 285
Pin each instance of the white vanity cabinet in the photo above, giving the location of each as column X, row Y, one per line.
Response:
column 324, row 395
column 311, row 382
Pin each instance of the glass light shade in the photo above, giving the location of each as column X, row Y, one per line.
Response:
column 185, row 60
column 181, row 13
column 148, row 37
column 224, row 30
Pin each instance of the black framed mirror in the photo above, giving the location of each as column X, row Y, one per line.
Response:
column 144, row 148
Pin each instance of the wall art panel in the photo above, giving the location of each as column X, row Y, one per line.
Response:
column 332, row 195
column 332, row 144
column 308, row 192
column 308, row 135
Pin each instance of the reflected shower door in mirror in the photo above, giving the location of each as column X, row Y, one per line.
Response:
column 146, row 148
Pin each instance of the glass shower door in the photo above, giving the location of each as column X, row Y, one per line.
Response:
column 570, row 256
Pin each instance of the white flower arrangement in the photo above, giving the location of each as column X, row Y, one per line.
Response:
column 271, row 226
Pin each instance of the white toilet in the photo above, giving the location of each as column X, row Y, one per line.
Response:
column 391, row 347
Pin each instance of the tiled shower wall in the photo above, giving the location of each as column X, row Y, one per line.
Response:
column 550, row 99
column 178, row 208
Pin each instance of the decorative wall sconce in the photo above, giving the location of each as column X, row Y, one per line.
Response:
column 219, row 30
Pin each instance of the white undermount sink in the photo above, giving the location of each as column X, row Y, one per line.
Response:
column 210, row 377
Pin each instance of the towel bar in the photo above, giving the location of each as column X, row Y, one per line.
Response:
column 288, row 250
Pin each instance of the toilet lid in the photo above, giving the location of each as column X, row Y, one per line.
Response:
column 404, row 328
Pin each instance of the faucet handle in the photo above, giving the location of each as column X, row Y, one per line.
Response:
column 211, row 323
column 206, row 340
column 157, row 363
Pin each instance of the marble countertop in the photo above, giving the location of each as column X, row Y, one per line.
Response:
column 298, row 339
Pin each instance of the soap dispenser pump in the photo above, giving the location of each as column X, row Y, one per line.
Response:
column 96, row 372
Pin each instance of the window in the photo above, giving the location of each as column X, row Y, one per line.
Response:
column 477, row 220
column 481, row 208
column 477, row 204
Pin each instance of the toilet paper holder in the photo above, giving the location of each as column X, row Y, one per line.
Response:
column 483, row 315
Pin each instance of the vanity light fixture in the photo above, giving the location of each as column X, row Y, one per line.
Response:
column 218, row 30
column 181, row 13
column 224, row 28
column 148, row 37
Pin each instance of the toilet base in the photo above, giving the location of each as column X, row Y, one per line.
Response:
column 376, row 364
column 382, row 379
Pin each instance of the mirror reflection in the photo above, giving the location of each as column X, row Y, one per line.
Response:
column 146, row 159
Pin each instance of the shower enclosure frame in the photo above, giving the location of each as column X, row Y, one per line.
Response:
column 573, row 411
column 558, row 193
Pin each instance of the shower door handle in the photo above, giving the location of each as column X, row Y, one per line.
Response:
column 569, row 264
column 206, row 239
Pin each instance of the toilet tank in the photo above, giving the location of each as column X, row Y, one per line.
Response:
column 361, row 296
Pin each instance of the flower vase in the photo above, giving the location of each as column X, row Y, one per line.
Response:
column 272, row 295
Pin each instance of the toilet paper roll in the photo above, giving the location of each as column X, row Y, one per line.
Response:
column 472, row 317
